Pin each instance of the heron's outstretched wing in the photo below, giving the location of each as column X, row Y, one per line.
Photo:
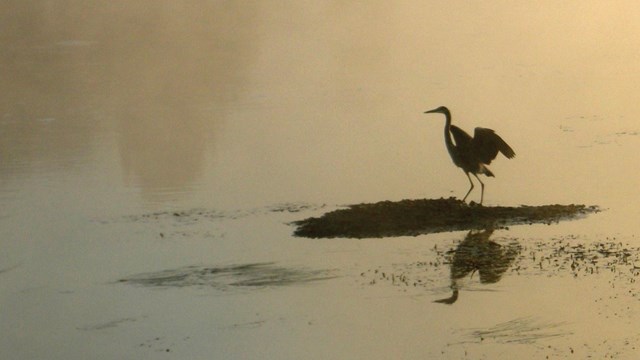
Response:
column 487, row 143
column 462, row 139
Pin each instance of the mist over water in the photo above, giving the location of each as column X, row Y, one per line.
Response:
column 242, row 117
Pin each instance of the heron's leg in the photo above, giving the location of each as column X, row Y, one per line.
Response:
column 481, row 186
column 471, row 188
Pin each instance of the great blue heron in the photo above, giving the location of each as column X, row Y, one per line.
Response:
column 472, row 154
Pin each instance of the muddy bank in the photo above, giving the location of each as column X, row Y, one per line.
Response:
column 416, row 217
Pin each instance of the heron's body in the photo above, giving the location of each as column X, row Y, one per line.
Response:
column 472, row 154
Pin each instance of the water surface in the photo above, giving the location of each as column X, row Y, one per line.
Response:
column 162, row 137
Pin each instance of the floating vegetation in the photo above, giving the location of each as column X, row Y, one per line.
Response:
column 190, row 216
column 526, row 330
column 245, row 275
column 416, row 217
column 568, row 256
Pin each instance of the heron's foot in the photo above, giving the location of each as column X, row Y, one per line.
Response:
column 475, row 204
column 450, row 300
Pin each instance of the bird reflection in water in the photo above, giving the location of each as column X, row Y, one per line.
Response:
column 477, row 253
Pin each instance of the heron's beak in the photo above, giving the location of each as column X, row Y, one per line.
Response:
column 432, row 111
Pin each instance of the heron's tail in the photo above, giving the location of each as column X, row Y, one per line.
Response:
column 485, row 170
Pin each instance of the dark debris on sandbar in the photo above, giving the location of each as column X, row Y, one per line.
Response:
column 417, row 217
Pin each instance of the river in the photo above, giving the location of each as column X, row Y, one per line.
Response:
column 154, row 154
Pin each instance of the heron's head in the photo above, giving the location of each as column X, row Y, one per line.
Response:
column 441, row 110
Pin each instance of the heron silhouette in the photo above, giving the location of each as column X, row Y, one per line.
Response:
column 472, row 154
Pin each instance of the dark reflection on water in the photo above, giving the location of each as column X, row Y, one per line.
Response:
column 171, row 84
column 564, row 257
column 159, row 73
column 245, row 275
column 477, row 253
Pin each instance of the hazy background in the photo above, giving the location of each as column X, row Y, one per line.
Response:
column 114, row 108
column 254, row 102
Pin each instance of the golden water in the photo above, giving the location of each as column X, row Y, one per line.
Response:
column 111, row 111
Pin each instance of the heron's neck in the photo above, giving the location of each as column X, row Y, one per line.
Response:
column 447, row 134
